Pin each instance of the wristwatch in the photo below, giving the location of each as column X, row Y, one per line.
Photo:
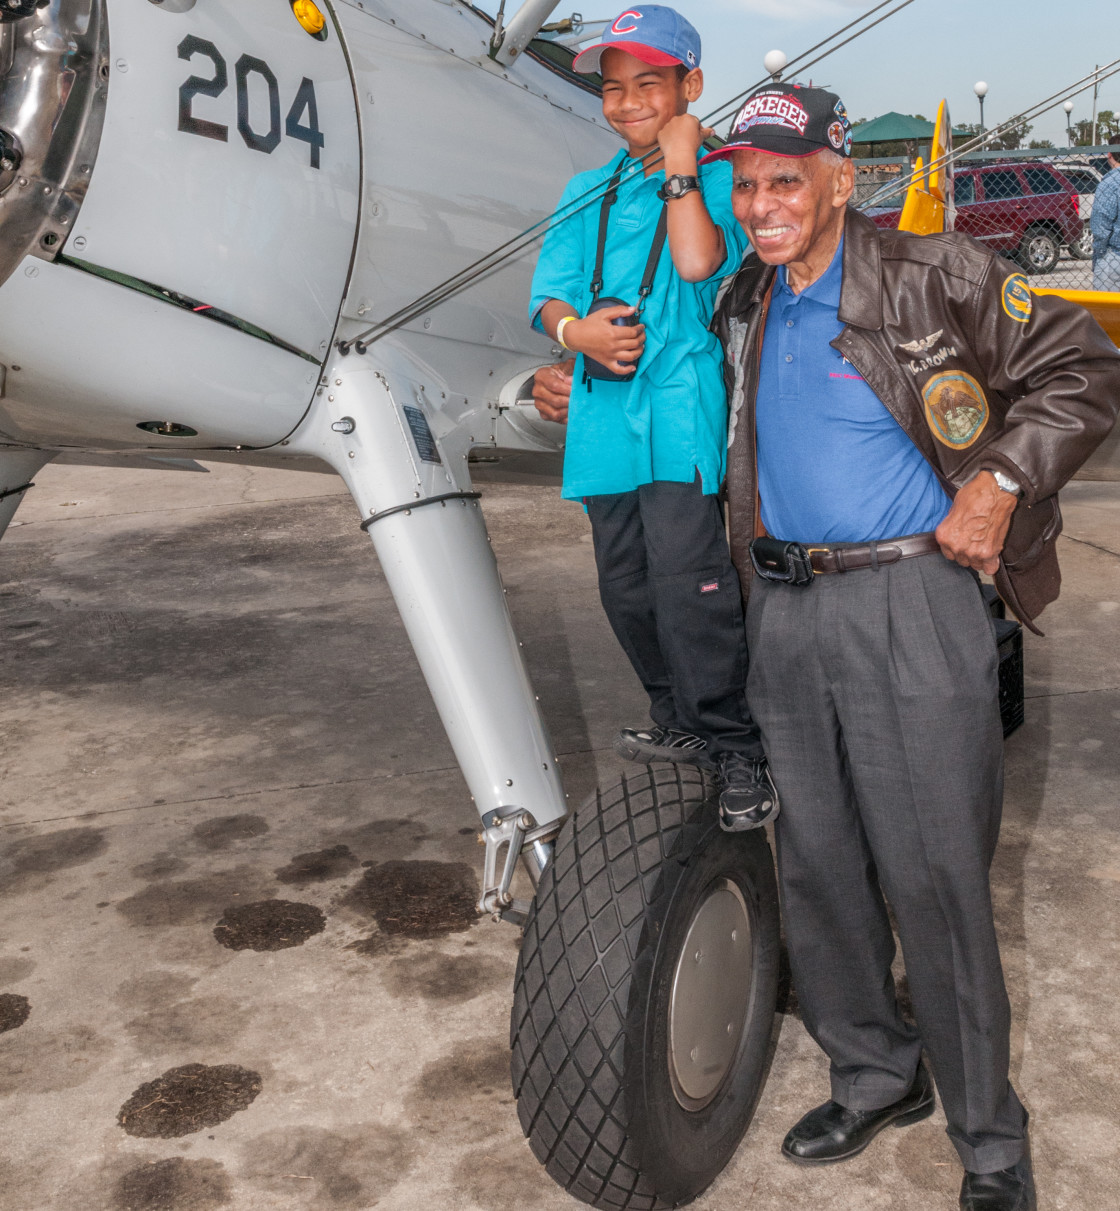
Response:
column 677, row 186
column 1007, row 483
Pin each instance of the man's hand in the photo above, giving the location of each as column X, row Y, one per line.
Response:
column 616, row 347
column 975, row 530
column 552, row 386
column 680, row 140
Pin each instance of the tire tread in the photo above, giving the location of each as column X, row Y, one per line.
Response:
column 588, row 914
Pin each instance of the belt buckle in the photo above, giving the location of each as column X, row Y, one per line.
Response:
column 809, row 552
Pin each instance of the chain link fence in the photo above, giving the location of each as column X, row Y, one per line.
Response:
column 1031, row 207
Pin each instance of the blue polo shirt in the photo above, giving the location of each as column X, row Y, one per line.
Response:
column 833, row 463
column 670, row 420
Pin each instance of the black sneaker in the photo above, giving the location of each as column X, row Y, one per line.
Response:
column 748, row 798
column 663, row 744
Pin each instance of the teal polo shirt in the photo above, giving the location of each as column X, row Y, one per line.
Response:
column 670, row 420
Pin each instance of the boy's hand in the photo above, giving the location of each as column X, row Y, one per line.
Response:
column 552, row 387
column 616, row 347
column 680, row 141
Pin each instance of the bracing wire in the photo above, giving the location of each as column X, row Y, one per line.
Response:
column 516, row 245
column 978, row 142
column 801, row 63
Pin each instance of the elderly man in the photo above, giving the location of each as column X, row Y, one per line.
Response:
column 904, row 412
column 903, row 415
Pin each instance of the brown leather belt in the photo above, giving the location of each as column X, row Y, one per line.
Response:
column 848, row 558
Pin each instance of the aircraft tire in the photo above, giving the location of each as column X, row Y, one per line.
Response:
column 644, row 998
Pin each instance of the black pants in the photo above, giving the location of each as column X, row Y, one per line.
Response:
column 672, row 598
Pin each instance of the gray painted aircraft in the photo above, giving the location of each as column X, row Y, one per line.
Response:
column 218, row 222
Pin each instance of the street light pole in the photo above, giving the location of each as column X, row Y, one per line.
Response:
column 1068, row 107
column 980, row 88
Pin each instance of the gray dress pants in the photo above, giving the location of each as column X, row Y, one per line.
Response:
column 876, row 692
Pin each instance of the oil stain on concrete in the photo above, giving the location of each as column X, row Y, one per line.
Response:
column 269, row 925
column 14, row 1011
column 154, row 989
column 27, row 863
column 348, row 1167
column 188, row 1099
column 382, row 840
column 193, row 901
column 417, row 899
column 15, row 968
column 192, row 1026
column 319, row 866
column 159, row 866
column 451, row 979
column 464, row 1096
column 37, row 1061
column 498, row 1175
column 174, row 1184
column 222, row 832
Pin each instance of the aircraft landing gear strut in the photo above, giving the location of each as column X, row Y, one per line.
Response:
column 17, row 468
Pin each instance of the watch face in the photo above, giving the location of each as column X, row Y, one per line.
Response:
column 678, row 185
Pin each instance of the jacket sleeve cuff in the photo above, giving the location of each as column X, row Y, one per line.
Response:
column 991, row 459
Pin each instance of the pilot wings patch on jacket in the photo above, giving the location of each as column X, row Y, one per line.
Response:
column 920, row 346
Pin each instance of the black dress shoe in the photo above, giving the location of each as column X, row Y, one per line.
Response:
column 1007, row 1190
column 833, row 1132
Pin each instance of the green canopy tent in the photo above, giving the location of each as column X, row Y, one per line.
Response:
column 897, row 128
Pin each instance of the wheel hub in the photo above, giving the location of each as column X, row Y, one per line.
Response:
column 711, row 995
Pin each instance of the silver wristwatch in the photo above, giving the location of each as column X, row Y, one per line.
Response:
column 1007, row 483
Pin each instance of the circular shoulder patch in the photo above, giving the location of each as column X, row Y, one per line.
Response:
column 1017, row 301
column 956, row 409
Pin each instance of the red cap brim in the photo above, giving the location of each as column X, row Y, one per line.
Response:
column 588, row 61
column 724, row 153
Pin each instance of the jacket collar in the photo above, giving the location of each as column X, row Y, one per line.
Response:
column 861, row 296
column 748, row 288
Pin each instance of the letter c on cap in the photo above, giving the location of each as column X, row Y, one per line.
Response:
column 619, row 28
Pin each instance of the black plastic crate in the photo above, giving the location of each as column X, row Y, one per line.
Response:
column 993, row 601
column 1009, row 635
column 1009, row 638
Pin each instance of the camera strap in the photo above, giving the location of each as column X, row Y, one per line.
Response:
column 652, row 261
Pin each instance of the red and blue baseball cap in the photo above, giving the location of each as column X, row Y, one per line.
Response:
column 653, row 33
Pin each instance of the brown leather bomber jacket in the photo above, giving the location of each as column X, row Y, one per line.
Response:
column 978, row 372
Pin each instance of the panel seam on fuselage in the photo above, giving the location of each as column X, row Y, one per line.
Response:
column 174, row 298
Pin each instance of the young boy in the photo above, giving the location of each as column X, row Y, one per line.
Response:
column 646, row 452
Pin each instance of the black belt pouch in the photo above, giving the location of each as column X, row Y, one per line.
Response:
column 785, row 562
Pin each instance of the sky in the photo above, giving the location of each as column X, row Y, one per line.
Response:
column 1024, row 49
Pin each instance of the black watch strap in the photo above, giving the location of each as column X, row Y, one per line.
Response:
column 677, row 186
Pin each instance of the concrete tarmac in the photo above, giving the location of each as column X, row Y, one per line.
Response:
column 209, row 702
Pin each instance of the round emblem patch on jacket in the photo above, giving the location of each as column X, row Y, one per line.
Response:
column 1017, row 301
column 956, row 408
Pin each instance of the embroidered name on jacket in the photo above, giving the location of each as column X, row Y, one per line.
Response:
column 920, row 365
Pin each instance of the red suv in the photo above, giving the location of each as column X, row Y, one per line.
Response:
column 1026, row 211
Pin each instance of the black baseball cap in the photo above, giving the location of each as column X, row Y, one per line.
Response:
column 789, row 120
